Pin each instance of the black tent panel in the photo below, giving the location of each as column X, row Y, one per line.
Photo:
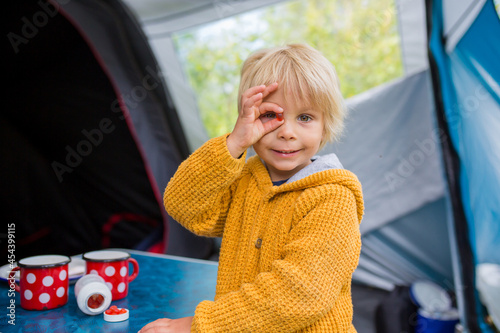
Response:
column 90, row 136
column 74, row 178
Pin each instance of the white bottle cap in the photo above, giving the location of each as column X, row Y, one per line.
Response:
column 116, row 317
column 92, row 295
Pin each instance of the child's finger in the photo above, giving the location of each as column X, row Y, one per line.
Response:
column 252, row 101
column 253, row 91
column 270, row 88
column 270, row 107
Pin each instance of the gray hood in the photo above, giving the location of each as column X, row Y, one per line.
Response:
column 320, row 163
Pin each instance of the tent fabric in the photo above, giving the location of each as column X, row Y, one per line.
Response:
column 459, row 16
column 398, row 175
column 183, row 15
column 467, row 86
column 476, row 74
column 413, row 34
column 149, row 110
column 139, row 87
column 414, row 247
column 62, row 145
column 182, row 93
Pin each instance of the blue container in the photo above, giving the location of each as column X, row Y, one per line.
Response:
column 437, row 322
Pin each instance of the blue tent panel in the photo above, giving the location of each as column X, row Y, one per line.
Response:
column 475, row 71
column 469, row 78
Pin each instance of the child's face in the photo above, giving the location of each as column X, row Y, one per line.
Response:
column 290, row 147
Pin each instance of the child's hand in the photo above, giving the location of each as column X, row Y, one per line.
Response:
column 168, row 325
column 251, row 125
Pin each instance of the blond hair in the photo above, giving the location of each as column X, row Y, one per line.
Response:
column 303, row 72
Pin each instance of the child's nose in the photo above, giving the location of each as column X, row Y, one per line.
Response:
column 286, row 131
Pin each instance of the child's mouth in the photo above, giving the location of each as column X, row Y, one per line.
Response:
column 286, row 152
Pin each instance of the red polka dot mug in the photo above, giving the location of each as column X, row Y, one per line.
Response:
column 43, row 283
column 113, row 267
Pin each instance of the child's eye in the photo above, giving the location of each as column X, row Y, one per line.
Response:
column 305, row 118
column 269, row 115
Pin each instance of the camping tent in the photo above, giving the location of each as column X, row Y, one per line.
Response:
column 425, row 146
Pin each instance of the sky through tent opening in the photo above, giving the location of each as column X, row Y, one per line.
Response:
column 359, row 37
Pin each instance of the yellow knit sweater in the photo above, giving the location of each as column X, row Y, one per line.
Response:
column 288, row 252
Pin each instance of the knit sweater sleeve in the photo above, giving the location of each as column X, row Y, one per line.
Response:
column 199, row 193
column 316, row 262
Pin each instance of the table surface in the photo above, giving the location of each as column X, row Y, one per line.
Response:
column 166, row 287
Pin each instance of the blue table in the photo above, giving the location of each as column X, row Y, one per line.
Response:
column 166, row 287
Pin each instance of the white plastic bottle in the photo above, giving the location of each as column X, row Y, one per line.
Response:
column 92, row 295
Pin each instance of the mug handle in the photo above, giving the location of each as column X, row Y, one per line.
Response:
column 136, row 269
column 12, row 278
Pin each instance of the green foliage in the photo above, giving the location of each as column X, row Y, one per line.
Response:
column 359, row 37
